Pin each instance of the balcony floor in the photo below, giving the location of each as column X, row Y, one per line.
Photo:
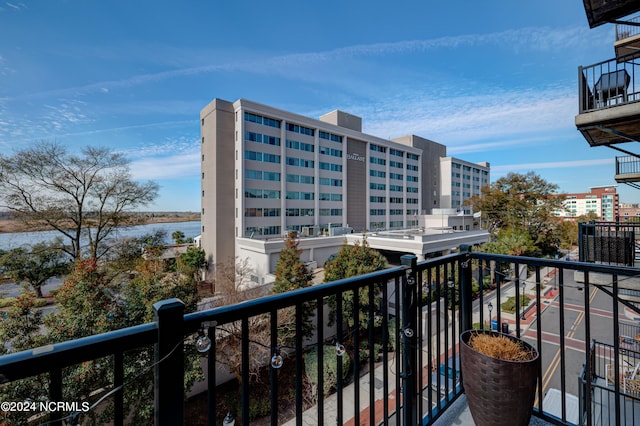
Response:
column 459, row 414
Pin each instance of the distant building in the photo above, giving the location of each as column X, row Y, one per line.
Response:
column 461, row 180
column 629, row 212
column 601, row 200
column 266, row 172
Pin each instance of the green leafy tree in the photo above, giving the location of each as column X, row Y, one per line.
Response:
column 84, row 197
column 192, row 261
column 89, row 303
column 292, row 274
column 511, row 242
column 524, row 204
column 178, row 237
column 21, row 328
column 35, row 266
column 352, row 261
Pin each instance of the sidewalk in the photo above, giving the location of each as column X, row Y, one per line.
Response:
column 310, row 416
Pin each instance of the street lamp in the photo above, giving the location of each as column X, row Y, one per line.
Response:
column 522, row 300
column 490, row 306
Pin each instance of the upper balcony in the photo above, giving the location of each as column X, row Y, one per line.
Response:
column 608, row 110
column 627, row 42
column 402, row 340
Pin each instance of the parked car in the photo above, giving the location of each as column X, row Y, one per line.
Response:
column 449, row 375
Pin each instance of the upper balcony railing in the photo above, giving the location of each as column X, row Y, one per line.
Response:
column 627, row 169
column 626, row 31
column 412, row 315
column 608, row 84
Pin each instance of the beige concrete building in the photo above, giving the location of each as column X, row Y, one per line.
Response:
column 461, row 180
column 267, row 171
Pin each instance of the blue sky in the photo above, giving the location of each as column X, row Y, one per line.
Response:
column 493, row 81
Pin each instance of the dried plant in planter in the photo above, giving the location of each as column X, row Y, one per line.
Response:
column 499, row 375
column 500, row 347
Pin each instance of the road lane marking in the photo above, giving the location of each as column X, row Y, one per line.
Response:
column 555, row 362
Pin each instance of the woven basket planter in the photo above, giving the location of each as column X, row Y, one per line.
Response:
column 498, row 392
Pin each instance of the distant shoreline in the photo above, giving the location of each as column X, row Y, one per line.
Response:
column 8, row 226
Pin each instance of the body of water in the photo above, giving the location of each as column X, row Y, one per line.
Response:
column 13, row 240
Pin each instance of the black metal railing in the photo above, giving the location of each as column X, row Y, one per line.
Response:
column 412, row 314
column 614, row 383
column 608, row 242
column 627, row 165
column 624, row 31
column 607, row 84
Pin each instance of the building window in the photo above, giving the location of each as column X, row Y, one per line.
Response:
column 324, row 196
column 331, row 166
column 377, row 148
column 330, row 182
column 302, row 146
column 300, row 162
column 330, row 212
column 377, row 160
column 255, row 118
column 330, row 136
column 300, row 129
column 330, row 151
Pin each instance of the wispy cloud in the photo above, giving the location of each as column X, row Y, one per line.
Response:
column 170, row 167
column 551, row 165
column 542, row 39
column 16, row 6
column 480, row 121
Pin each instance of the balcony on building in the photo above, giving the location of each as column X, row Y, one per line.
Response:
column 609, row 107
column 628, row 170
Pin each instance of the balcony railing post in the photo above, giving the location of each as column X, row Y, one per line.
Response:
column 466, row 291
column 581, row 91
column 410, row 369
column 169, row 359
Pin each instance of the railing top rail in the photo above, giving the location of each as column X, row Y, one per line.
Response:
column 615, row 62
column 265, row 304
column 28, row 363
column 576, row 266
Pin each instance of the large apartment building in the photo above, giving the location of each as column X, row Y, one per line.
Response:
column 266, row 171
column 602, row 200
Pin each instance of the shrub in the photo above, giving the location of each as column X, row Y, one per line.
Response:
column 40, row 302
column 392, row 334
column 7, row 301
column 510, row 305
column 330, row 361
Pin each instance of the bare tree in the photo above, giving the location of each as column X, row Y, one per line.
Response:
column 233, row 286
column 83, row 196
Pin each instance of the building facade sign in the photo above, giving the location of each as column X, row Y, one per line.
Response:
column 356, row 157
